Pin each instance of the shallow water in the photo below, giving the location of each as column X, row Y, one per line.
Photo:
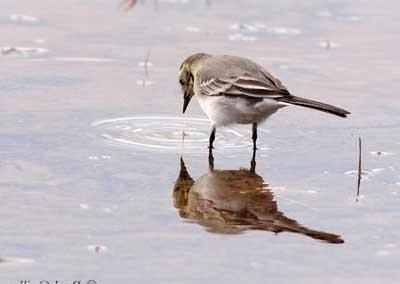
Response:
column 91, row 144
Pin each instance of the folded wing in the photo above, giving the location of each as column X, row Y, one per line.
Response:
column 243, row 85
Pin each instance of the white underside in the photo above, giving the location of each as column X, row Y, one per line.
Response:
column 222, row 111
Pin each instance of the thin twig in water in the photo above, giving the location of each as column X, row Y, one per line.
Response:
column 359, row 168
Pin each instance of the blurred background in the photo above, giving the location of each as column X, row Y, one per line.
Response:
column 90, row 140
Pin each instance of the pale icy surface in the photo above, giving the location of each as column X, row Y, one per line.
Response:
column 84, row 196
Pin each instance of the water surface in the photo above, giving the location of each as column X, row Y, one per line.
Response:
column 91, row 148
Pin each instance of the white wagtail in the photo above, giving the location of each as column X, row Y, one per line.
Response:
column 233, row 89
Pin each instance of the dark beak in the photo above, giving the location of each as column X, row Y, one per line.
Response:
column 186, row 100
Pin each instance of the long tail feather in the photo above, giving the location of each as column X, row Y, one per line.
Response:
column 314, row 105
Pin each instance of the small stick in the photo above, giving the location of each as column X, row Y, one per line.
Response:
column 359, row 169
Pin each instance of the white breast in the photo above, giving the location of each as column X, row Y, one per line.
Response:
column 223, row 110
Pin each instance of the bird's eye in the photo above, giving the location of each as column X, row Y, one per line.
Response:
column 181, row 82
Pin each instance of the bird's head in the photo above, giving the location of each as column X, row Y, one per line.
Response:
column 187, row 73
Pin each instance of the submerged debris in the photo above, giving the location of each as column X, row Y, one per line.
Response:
column 25, row 51
column 381, row 153
column 7, row 50
column 328, row 44
column 97, row 248
column 23, row 18
column 15, row 260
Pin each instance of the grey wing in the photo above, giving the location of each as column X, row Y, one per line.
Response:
column 236, row 76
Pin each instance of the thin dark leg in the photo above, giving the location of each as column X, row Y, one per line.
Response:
column 210, row 160
column 253, row 162
column 212, row 138
column 254, row 137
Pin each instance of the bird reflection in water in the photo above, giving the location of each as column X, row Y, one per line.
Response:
column 233, row 201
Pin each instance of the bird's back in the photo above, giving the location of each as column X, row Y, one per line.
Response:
column 227, row 66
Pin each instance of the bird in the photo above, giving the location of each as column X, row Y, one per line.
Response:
column 236, row 90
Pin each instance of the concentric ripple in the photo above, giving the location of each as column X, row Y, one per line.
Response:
column 171, row 134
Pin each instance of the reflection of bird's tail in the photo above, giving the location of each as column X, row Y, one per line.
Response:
column 280, row 223
column 327, row 237
column 293, row 100
column 290, row 225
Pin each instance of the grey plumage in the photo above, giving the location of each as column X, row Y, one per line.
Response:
column 237, row 76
